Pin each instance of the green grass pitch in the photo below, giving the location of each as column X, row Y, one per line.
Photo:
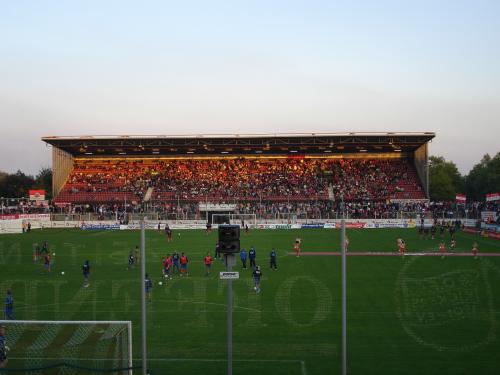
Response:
column 411, row 315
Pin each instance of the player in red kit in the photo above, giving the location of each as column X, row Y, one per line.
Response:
column 167, row 267
column 453, row 244
column 401, row 246
column 296, row 246
column 184, row 264
column 475, row 249
column 37, row 253
column 46, row 262
column 168, row 232
column 442, row 249
column 208, row 264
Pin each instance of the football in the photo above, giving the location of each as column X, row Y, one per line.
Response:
column 160, row 283
column 62, row 273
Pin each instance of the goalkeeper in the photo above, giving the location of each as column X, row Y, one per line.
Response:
column 3, row 348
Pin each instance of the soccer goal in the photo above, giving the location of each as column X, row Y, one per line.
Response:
column 11, row 226
column 235, row 219
column 76, row 347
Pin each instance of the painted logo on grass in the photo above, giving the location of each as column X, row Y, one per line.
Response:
column 323, row 297
column 447, row 311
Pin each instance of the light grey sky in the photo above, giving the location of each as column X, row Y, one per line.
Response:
column 162, row 67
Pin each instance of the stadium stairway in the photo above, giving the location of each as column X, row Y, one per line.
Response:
column 331, row 196
column 147, row 196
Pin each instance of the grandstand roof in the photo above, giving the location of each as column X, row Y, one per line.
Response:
column 239, row 144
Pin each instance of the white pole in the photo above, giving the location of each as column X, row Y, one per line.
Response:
column 130, row 364
column 143, row 299
column 344, row 294
column 229, row 264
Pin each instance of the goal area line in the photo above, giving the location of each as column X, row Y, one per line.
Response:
column 391, row 254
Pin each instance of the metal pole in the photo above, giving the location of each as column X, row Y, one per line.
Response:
column 344, row 294
column 229, row 316
column 143, row 299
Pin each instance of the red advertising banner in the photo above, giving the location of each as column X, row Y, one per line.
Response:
column 470, row 230
column 461, row 198
column 492, row 197
column 490, row 234
column 62, row 204
column 356, row 225
column 37, row 195
column 25, row 216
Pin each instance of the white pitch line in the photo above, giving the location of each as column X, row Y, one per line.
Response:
column 303, row 367
column 220, row 360
column 165, row 359
column 27, row 307
column 218, row 304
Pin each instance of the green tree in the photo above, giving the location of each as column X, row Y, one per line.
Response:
column 16, row 185
column 43, row 180
column 484, row 177
column 444, row 179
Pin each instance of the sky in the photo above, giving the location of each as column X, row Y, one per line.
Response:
column 202, row 67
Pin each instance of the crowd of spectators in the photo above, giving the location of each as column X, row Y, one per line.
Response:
column 246, row 179
column 375, row 179
column 11, row 206
column 110, row 177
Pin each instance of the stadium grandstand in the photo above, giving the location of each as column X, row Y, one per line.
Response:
column 257, row 174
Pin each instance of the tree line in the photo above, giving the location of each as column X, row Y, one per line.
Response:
column 17, row 185
column 444, row 180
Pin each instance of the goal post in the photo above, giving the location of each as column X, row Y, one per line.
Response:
column 75, row 346
column 235, row 219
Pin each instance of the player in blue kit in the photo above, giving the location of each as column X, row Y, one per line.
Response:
column 130, row 260
column 176, row 262
column 252, row 254
column 148, row 285
column 86, row 274
column 243, row 257
column 9, row 306
column 257, row 275
column 273, row 255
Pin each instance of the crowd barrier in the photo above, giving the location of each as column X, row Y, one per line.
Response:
column 197, row 224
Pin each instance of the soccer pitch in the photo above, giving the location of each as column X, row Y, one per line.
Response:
column 406, row 315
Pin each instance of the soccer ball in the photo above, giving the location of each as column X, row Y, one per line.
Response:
column 62, row 273
column 179, row 234
column 53, row 254
column 160, row 283
column 254, row 288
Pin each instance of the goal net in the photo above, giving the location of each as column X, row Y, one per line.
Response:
column 11, row 226
column 235, row 219
column 68, row 347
